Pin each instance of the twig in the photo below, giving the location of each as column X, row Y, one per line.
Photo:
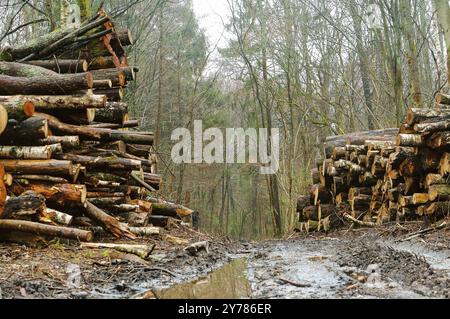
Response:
column 359, row 222
column 143, row 183
column 424, row 231
column 293, row 283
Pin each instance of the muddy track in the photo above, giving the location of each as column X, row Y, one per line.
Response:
column 363, row 268
column 359, row 265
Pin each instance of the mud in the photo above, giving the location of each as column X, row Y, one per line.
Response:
column 348, row 264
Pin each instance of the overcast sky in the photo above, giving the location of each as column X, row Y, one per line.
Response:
column 210, row 14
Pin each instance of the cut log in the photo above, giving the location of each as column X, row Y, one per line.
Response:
column 417, row 115
column 358, row 139
column 444, row 164
column 434, row 179
column 439, row 209
column 56, row 193
column 116, row 94
column 85, row 132
column 114, row 75
column 61, row 84
column 56, row 102
column 102, row 163
column 61, row 65
column 38, row 167
column 439, row 192
column 409, row 140
column 25, row 152
column 3, row 119
column 142, row 251
column 15, row 69
column 102, row 62
column 107, row 222
column 43, row 178
column 138, row 150
column 67, row 142
column 442, row 98
column 26, row 205
column 125, row 37
column 420, row 199
column 114, row 112
column 17, row 110
column 302, row 202
column 439, row 140
column 165, row 208
column 45, row 230
column 25, row 133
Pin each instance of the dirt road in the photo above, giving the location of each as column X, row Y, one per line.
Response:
column 357, row 264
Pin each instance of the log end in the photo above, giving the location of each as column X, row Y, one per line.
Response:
column 29, row 108
column 3, row 119
column 90, row 80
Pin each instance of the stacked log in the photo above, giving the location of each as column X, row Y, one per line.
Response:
column 69, row 154
column 386, row 175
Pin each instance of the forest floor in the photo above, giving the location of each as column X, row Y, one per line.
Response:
column 360, row 263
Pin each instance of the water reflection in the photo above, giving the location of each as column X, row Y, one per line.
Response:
column 228, row 282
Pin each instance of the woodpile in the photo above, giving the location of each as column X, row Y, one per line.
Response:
column 375, row 177
column 71, row 160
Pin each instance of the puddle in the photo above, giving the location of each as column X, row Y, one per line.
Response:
column 228, row 282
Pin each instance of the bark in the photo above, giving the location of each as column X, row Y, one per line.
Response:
column 103, row 163
column 24, row 206
column 107, row 222
column 126, row 124
column 38, row 167
column 17, row 110
column 55, row 102
column 62, row 65
column 45, row 230
column 114, row 75
column 142, row 251
column 56, row 193
column 23, row 70
column 25, row 152
column 103, row 84
column 114, row 112
column 358, row 138
column 138, row 150
column 416, row 115
column 25, row 132
column 413, row 140
column 116, row 94
column 3, row 119
column 102, row 62
column 49, row 43
column 165, row 208
column 60, row 84
column 67, row 142
column 125, row 37
column 439, row 192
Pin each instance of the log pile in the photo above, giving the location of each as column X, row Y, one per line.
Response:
column 70, row 158
column 374, row 177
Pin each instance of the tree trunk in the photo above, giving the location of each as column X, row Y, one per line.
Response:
column 26, row 152
column 107, row 222
column 116, row 113
column 61, row 65
column 61, row 84
column 54, row 102
column 56, row 193
column 38, row 167
column 26, row 132
column 45, row 230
